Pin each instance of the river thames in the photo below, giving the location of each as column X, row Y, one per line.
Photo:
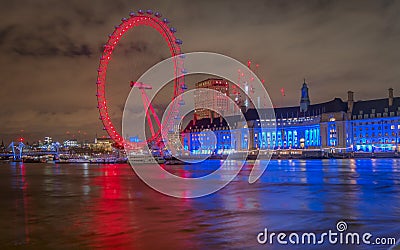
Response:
column 107, row 206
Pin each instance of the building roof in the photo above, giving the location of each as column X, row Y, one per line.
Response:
column 211, row 123
column 378, row 104
column 336, row 105
column 213, row 82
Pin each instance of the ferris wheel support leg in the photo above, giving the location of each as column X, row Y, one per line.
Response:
column 153, row 112
column 147, row 112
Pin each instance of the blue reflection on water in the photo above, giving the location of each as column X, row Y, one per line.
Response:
column 311, row 196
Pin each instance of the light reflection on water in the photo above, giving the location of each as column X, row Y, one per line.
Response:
column 87, row 206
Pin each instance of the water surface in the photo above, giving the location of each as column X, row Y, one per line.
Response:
column 88, row 206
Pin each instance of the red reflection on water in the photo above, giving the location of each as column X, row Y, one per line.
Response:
column 180, row 172
column 110, row 226
column 184, row 173
column 126, row 213
column 110, row 183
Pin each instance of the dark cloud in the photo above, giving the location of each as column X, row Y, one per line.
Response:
column 50, row 52
column 82, row 50
column 4, row 32
column 34, row 44
column 137, row 47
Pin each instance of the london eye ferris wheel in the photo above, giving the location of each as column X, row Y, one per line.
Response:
column 155, row 21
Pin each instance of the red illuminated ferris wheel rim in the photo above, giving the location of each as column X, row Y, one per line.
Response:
column 141, row 18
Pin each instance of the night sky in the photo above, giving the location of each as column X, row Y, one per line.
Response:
column 50, row 51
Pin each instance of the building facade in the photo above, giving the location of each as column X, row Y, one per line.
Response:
column 203, row 98
column 343, row 126
column 375, row 124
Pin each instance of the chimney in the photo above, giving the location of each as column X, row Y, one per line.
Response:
column 390, row 97
column 350, row 101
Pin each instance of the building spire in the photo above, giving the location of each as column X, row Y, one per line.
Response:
column 305, row 99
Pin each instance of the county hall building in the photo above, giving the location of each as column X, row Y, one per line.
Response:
column 344, row 126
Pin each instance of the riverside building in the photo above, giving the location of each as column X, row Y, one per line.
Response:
column 336, row 125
